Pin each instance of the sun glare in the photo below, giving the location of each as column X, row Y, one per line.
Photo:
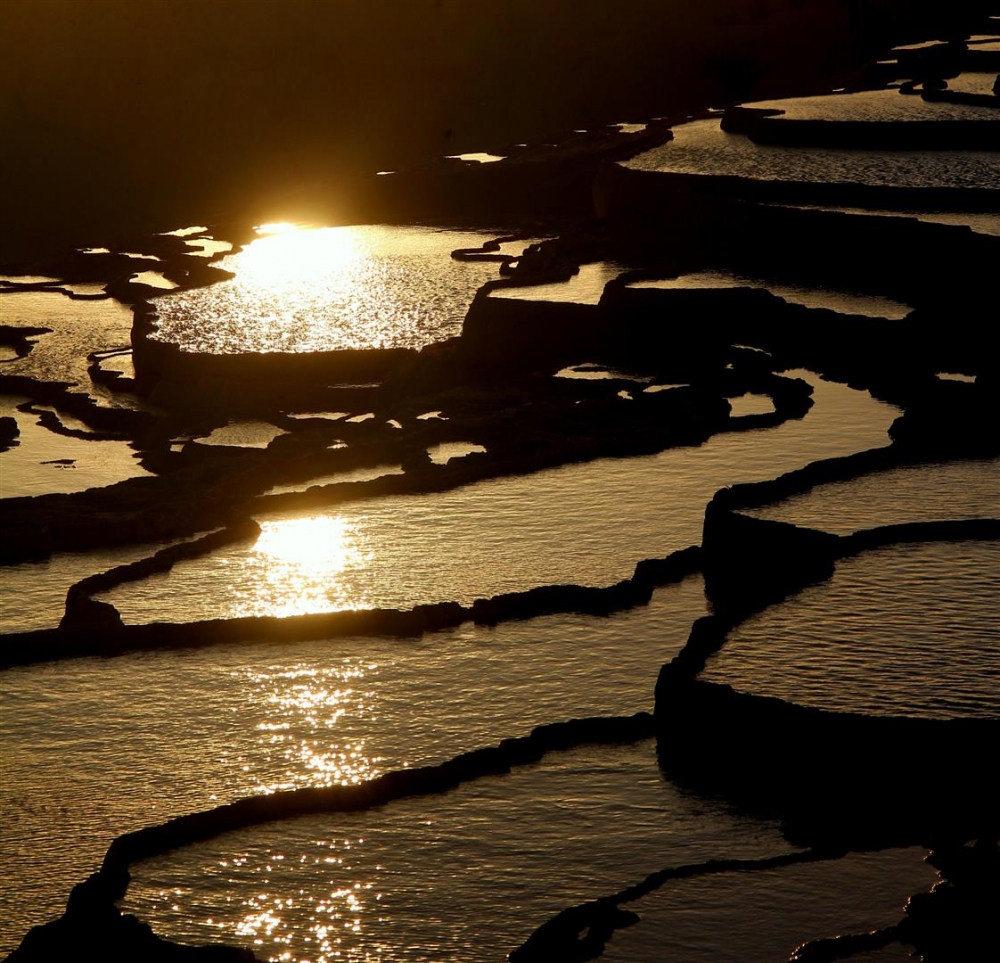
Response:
column 289, row 256
column 304, row 562
column 277, row 227
column 307, row 543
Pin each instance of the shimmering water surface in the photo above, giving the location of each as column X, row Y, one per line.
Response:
column 701, row 147
column 243, row 434
column 765, row 921
column 44, row 462
column 262, row 717
column 974, row 82
column 93, row 748
column 846, row 302
column 976, row 222
column 585, row 287
column 587, row 524
column 911, row 493
column 326, row 288
column 466, row 877
column 905, row 630
column 78, row 327
column 883, row 106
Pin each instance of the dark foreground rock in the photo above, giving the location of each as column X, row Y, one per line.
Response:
column 93, row 928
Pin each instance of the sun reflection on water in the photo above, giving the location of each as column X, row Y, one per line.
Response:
column 299, row 288
column 304, row 711
column 302, row 563
column 285, row 258
column 271, row 919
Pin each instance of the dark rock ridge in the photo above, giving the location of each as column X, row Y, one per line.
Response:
column 93, row 925
column 8, row 433
column 854, row 784
column 93, row 920
column 954, row 921
column 92, row 628
column 581, row 933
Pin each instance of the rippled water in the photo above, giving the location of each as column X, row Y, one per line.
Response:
column 912, row 493
column 78, row 327
column 978, row 223
column 702, row 148
column 93, row 748
column 243, row 434
column 587, row 524
column 208, row 247
column 585, row 287
column 974, row 82
column 883, row 106
column 36, row 465
column 261, row 717
column 905, row 630
column 846, row 302
column 765, row 921
column 326, row 288
column 466, row 877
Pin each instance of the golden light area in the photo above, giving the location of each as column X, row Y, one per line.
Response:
column 286, row 257
column 332, row 918
column 310, row 715
column 278, row 227
column 303, row 565
column 300, row 288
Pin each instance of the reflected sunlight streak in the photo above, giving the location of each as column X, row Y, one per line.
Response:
column 299, row 288
column 304, row 712
column 303, row 561
column 286, row 258
column 273, row 922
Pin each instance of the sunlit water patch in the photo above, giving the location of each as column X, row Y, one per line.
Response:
column 846, row 302
column 763, row 917
column 154, row 279
column 905, row 630
column 973, row 82
column 13, row 280
column 979, row 223
column 587, row 523
column 701, row 147
column 585, row 287
column 78, row 328
column 446, row 451
column 280, row 715
column 327, row 288
column 466, row 876
column 911, row 493
column 749, row 404
column 122, row 363
column 598, row 372
column 866, row 106
column 337, row 478
column 43, row 462
column 207, row 247
column 478, row 157
column 243, row 434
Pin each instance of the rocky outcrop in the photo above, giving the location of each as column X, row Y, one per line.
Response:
column 750, row 563
column 8, row 432
column 90, row 617
column 91, row 627
column 94, row 928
